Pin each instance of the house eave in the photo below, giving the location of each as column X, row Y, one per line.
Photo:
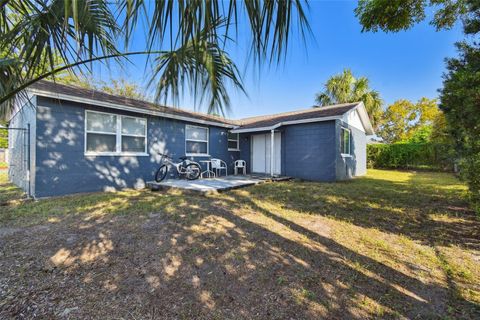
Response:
column 239, row 129
column 367, row 124
column 94, row 102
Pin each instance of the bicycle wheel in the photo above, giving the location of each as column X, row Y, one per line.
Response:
column 192, row 171
column 161, row 173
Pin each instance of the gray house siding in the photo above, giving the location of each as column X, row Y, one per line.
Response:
column 63, row 168
column 356, row 165
column 309, row 151
column 59, row 166
column 244, row 152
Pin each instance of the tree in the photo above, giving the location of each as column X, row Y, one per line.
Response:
column 397, row 15
column 460, row 100
column 405, row 121
column 440, row 131
column 186, row 40
column 459, row 97
column 345, row 88
column 119, row 87
column 122, row 87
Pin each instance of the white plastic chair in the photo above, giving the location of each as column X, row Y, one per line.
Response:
column 241, row 164
column 219, row 165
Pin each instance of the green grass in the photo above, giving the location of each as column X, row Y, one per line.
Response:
column 391, row 244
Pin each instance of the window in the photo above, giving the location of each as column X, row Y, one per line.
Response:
column 345, row 141
column 133, row 134
column 233, row 140
column 114, row 134
column 101, row 132
column 196, row 140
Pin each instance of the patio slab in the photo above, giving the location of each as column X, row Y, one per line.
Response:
column 212, row 185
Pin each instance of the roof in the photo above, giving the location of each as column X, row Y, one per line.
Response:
column 266, row 122
column 57, row 90
column 312, row 113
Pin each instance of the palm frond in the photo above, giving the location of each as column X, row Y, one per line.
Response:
column 177, row 22
column 360, row 87
column 340, row 86
column 73, row 29
column 41, row 35
column 9, row 69
column 344, row 88
column 45, row 34
column 374, row 105
column 202, row 66
column 323, row 99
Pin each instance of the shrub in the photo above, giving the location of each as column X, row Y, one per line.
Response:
column 410, row 156
column 3, row 143
column 3, row 139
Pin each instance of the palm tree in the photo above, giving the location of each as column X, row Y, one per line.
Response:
column 187, row 41
column 345, row 88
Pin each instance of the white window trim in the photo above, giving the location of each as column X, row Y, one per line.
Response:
column 236, row 140
column 349, row 154
column 118, row 134
column 197, row 140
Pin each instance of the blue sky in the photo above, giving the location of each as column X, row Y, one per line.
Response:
column 405, row 65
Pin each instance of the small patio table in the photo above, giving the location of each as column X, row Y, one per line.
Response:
column 208, row 173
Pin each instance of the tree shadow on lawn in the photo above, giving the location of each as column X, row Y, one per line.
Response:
column 384, row 284
column 418, row 208
column 203, row 257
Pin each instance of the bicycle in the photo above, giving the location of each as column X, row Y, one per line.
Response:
column 190, row 169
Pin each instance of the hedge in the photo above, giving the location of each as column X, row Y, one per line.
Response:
column 410, row 156
column 3, row 139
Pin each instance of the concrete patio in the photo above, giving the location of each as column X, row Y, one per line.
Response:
column 213, row 185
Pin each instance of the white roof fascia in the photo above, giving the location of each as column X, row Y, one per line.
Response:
column 284, row 123
column 367, row 124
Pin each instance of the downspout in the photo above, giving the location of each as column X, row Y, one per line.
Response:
column 272, row 145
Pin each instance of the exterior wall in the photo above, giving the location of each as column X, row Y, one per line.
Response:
column 21, row 160
column 308, row 151
column 244, row 153
column 63, row 168
column 356, row 164
column 218, row 145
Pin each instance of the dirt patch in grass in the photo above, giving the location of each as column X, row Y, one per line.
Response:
column 389, row 245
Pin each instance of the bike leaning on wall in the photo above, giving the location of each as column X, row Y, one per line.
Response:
column 191, row 170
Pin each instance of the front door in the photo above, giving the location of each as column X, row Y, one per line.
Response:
column 261, row 145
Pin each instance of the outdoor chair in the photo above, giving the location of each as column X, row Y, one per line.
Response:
column 241, row 164
column 219, row 165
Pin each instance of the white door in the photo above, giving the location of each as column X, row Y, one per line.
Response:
column 261, row 145
column 258, row 153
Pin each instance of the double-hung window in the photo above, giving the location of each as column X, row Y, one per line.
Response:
column 111, row 134
column 133, row 135
column 233, row 142
column 345, row 142
column 196, row 140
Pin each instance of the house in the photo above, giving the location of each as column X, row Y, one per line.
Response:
column 70, row 139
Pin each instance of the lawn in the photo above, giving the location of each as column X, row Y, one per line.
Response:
column 389, row 245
